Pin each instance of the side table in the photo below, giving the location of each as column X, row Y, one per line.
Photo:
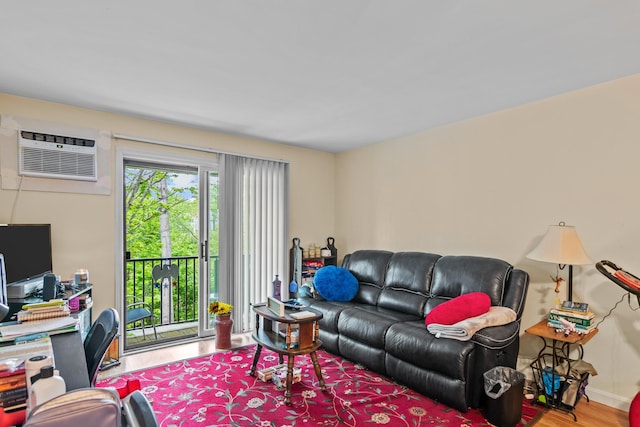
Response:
column 552, row 367
column 308, row 340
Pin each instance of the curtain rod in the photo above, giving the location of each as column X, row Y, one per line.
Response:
column 189, row 147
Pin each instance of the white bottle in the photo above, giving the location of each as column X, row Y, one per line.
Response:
column 33, row 366
column 49, row 385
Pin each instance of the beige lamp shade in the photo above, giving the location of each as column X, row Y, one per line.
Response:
column 561, row 245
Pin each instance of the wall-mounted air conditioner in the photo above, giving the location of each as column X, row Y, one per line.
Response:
column 57, row 156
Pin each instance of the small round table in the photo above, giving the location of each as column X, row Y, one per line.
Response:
column 275, row 333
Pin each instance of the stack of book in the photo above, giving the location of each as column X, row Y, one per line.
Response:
column 13, row 386
column 43, row 310
column 57, row 325
column 85, row 301
column 576, row 313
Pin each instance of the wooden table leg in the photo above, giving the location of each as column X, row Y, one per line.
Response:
column 287, row 393
column 316, row 366
column 256, row 357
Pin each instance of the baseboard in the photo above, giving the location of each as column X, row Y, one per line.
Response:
column 608, row 399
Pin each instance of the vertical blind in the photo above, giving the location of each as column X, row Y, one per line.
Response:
column 253, row 236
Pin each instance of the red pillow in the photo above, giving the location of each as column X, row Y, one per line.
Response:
column 459, row 308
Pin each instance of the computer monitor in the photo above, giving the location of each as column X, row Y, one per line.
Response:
column 4, row 307
column 3, row 282
column 27, row 250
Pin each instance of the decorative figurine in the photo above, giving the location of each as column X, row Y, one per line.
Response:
column 568, row 327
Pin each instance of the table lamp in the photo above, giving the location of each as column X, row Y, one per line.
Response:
column 561, row 245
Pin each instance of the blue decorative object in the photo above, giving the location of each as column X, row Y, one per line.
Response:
column 305, row 291
column 335, row 283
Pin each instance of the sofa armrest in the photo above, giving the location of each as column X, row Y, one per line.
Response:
column 515, row 292
column 497, row 337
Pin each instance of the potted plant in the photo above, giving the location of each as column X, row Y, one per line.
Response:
column 222, row 322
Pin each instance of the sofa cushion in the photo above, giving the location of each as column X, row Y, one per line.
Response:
column 457, row 275
column 459, row 308
column 335, row 283
column 406, row 284
column 410, row 342
column 330, row 312
column 364, row 326
column 369, row 266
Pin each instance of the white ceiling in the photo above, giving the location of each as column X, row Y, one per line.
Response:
column 328, row 74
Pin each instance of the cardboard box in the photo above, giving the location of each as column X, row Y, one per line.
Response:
column 279, row 377
column 266, row 373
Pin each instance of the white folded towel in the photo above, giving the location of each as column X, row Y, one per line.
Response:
column 464, row 329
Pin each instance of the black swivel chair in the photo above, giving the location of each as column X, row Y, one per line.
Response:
column 138, row 411
column 100, row 336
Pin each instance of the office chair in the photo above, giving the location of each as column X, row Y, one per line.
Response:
column 100, row 336
column 138, row 411
column 138, row 311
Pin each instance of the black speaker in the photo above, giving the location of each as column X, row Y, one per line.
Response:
column 49, row 287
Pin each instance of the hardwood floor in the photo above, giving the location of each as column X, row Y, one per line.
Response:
column 147, row 358
column 590, row 414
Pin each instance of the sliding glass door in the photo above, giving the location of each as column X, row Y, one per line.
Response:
column 197, row 229
column 170, row 246
column 209, row 247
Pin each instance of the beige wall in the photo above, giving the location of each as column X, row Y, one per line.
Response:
column 83, row 226
column 490, row 186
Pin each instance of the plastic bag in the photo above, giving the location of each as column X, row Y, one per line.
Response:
column 498, row 380
column 551, row 381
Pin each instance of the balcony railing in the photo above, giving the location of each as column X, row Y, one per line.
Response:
column 169, row 285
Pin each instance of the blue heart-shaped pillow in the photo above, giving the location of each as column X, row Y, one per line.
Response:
column 335, row 283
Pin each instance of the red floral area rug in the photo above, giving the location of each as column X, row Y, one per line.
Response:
column 217, row 390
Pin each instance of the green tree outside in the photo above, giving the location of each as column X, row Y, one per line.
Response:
column 162, row 222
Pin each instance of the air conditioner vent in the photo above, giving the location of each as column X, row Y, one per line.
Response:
column 57, row 156
column 57, row 139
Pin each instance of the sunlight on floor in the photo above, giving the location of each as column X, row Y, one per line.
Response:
column 170, row 353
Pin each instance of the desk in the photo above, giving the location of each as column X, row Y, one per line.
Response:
column 83, row 315
column 547, row 364
column 69, row 357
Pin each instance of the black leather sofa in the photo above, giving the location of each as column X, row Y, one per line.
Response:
column 383, row 327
